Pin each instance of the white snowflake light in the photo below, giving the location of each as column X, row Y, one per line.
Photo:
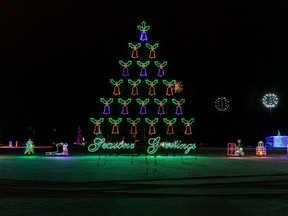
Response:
column 222, row 104
column 270, row 100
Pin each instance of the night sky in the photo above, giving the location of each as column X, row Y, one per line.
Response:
column 56, row 59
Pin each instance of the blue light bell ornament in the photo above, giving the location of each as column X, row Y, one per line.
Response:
column 143, row 36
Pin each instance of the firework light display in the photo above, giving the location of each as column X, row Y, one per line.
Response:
column 270, row 100
column 178, row 87
column 222, row 104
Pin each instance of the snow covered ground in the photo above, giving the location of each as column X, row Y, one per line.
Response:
column 206, row 182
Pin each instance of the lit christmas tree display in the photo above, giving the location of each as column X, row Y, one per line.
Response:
column 144, row 104
column 80, row 140
column 29, row 149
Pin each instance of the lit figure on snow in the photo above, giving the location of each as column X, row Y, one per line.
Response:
column 124, row 110
column 143, row 70
column 161, row 104
column 80, row 140
column 115, row 127
column 125, row 65
column 58, row 151
column 231, row 149
column 116, row 90
column 97, row 127
column 65, row 149
column 160, row 66
column 135, row 48
column 143, row 28
column 29, row 147
column 133, row 123
column 188, row 123
column 169, row 90
column 152, row 48
column 151, row 84
column 107, row 109
column 178, row 104
column 260, row 149
column 152, row 129
column 239, row 148
column 143, row 103
column 134, row 84
column 170, row 128
column 260, row 143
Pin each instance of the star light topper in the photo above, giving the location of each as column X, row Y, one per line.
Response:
column 178, row 87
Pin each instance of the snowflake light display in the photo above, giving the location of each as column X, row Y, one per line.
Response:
column 270, row 100
column 222, row 104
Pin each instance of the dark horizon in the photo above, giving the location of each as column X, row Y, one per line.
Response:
column 56, row 61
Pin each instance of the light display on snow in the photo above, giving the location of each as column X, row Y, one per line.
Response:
column 133, row 129
column 178, row 87
column 231, row 149
column 61, row 149
column 134, row 83
column 260, row 149
column 169, row 90
column 80, row 140
column 161, row 110
column 188, row 123
column 141, row 77
column 29, row 149
column 124, row 103
column 278, row 141
column 125, row 65
column 135, row 48
column 143, row 103
column 160, row 66
column 151, row 122
column 155, row 144
column 222, row 104
column 116, row 90
column 270, row 100
column 97, row 127
column 143, row 68
column 234, row 149
column 143, row 30
column 152, row 54
column 178, row 103
column 100, row 143
column 65, row 149
column 115, row 123
column 239, row 148
column 170, row 123
column 107, row 107
column 151, row 84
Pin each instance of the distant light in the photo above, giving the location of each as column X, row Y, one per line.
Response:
column 222, row 104
column 178, row 87
column 270, row 100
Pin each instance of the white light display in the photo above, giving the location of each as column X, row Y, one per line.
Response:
column 222, row 104
column 270, row 100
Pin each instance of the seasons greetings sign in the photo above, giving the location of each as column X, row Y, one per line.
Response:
column 155, row 144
